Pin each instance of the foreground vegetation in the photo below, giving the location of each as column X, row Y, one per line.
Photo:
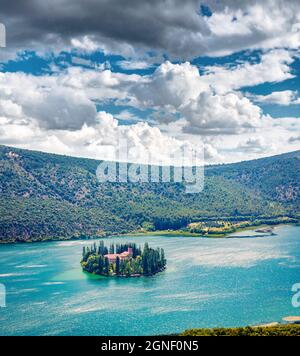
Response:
column 45, row 196
column 146, row 262
column 280, row 330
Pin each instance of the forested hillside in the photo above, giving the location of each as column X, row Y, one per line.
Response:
column 45, row 196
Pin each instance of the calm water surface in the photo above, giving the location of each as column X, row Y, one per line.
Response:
column 208, row 283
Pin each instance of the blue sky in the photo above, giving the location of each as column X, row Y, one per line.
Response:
column 218, row 77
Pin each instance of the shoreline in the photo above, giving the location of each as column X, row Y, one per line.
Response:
column 176, row 233
column 121, row 276
column 170, row 233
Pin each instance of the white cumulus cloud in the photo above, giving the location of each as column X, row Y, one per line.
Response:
column 285, row 98
column 212, row 114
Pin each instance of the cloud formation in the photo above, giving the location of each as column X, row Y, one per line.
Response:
column 285, row 98
column 171, row 86
column 179, row 29
column 274, row 66
column 179, row 88
column 294, row 139
column 185, row 103
column 221, row 114
column 255, row 145
column 254, row 24
column 58, row 114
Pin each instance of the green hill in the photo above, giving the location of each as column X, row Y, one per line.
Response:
column 46, row 196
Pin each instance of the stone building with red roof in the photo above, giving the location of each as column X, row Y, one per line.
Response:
column 122, row 256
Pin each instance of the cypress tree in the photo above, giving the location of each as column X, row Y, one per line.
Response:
column 112, row 249
column 106, row 266
column 118, row 266
column 100, row 264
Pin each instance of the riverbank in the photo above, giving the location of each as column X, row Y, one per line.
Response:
column 185, row 233
column 174, row 233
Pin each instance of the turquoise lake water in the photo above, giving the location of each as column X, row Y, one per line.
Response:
column 208, row 283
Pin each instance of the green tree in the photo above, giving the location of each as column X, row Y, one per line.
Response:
column 112, row 249
column 118, row 266
column 100, row 264
column 106, row 266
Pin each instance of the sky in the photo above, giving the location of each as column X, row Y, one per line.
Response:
column 217, row 77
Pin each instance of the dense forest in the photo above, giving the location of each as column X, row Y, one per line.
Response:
column 100, row 260
column 45, row 196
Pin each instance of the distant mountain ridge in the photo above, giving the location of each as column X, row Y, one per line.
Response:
column 46, row 196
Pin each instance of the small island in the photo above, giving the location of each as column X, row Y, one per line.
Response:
column 123, row 260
